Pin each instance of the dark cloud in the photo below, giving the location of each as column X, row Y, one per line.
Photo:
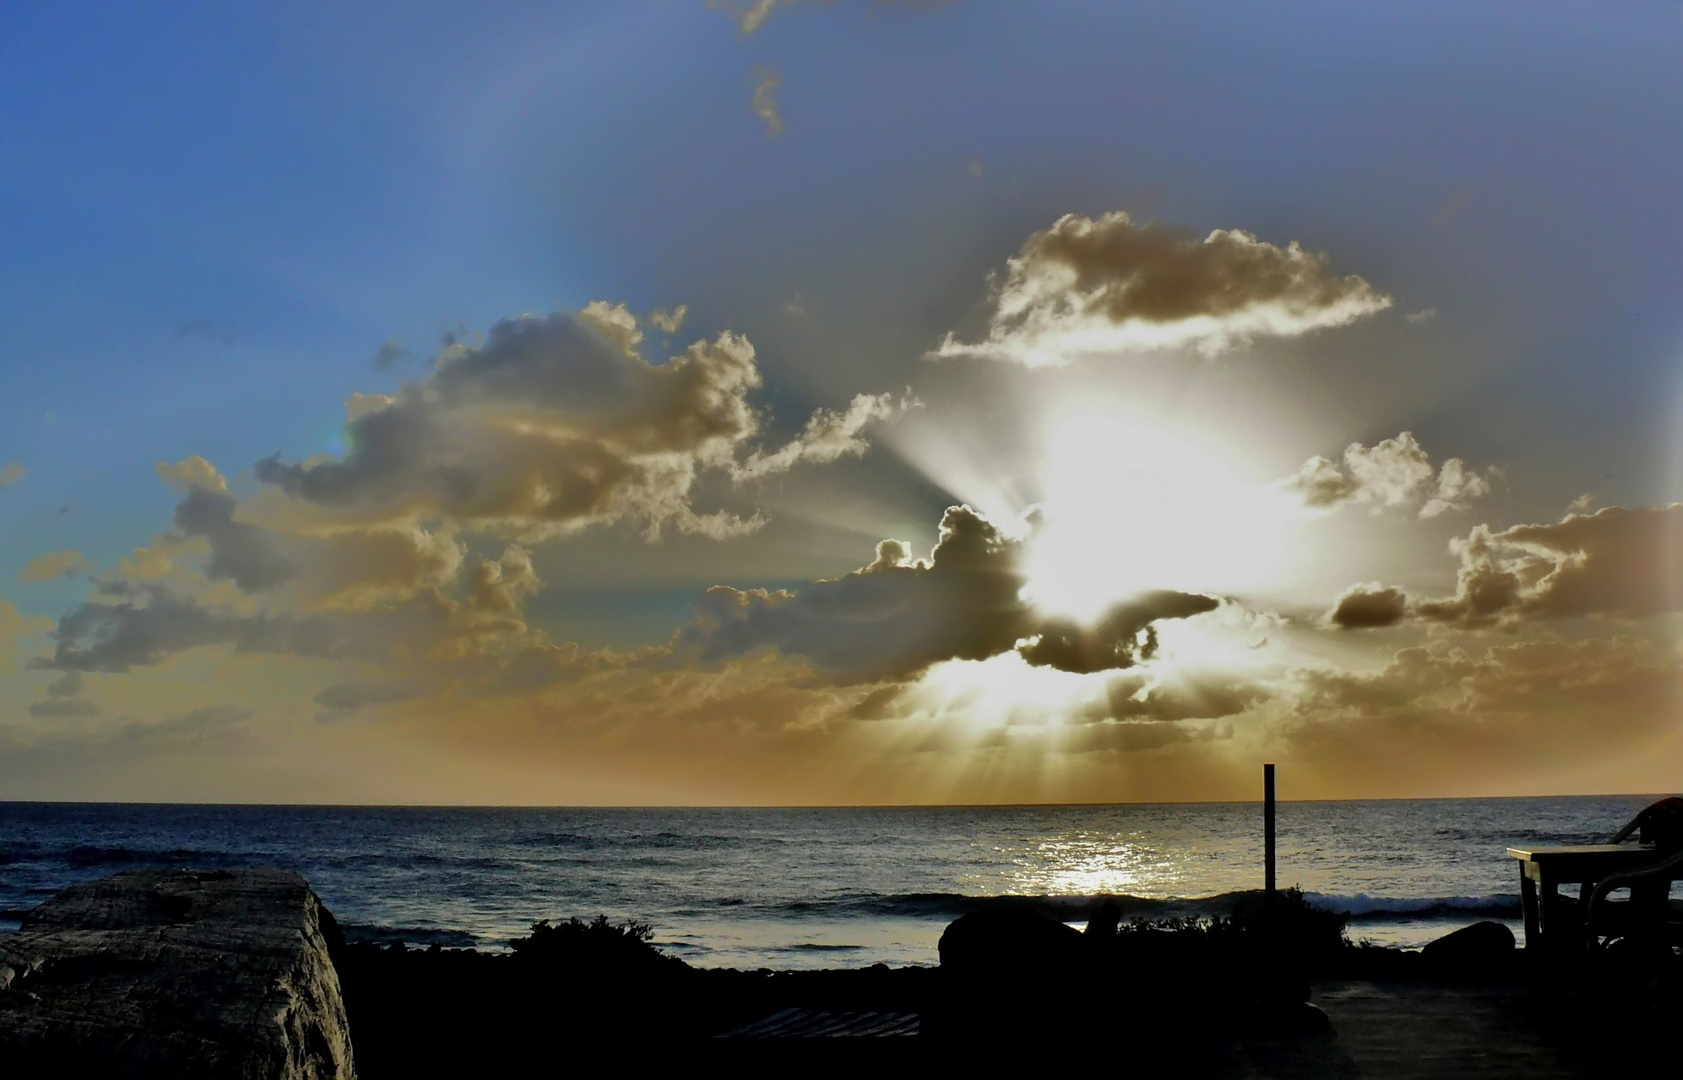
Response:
column 1095, row 285
column 140, row 632
column 388, row 354
column 1123, row 636
column 64, row 699
column 895, row 618
column 68, row 685
column 241, row 553
column 1364, row 607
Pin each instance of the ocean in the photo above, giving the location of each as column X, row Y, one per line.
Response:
column 806, row 888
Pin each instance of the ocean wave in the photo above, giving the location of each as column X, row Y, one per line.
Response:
column 85, row 855
column 409, row 935
column 1069, row 908
column 819, row 946
column 1364, row 908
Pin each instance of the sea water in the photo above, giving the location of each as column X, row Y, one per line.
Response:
column 802, row 888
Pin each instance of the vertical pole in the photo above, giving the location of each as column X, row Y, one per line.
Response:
column 1268, row 826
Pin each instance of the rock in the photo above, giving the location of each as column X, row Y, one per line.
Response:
column 175, row 974
column 1006, row 941
column 1104, row 922
column 1009, row 974
column 1482, row 948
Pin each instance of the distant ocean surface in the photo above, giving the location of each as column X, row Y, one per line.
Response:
column 806, row 888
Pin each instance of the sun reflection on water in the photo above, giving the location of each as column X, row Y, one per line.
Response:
column 1088, row 864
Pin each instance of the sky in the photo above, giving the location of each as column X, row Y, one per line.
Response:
column 770, row 402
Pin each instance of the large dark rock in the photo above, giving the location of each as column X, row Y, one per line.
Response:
column 1010, row 976
column 1484, row 948
column 175, row 974
column 1009, row 942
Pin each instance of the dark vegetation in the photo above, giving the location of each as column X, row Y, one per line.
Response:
column 569, row 989
column 1010, row 976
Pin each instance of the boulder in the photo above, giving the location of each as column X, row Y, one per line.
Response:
column 1484, row 948
column 1009, row 942
column 175, row 974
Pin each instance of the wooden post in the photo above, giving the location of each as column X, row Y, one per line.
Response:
column 1268, row 827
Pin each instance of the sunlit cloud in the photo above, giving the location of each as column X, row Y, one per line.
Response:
column 1107, row 285
column 1619, row 563
column 14, row 628
column 1391, row 473
column 52, row 566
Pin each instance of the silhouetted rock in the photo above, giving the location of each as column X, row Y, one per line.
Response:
column 1105, row 921
column 1009, row 942
column 1480, row 949
column 175, row 974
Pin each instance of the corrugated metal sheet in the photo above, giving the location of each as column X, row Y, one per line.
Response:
column 826, row 1024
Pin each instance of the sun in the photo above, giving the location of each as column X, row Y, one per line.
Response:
column 1130, row 505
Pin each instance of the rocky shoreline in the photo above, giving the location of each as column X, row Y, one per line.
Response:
column 244, row 974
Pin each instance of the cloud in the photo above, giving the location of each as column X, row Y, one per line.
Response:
column 11, row 474
column 897, row 616
column 1623, row 564
column 751, row 16
column 669, row 321
column 64, row 699
column 345, row 699
column 139, row 632
column 14, row 627
column 51, row 566
column 1121, row 637
column 359, row 405
column 1617, row 563
column 1457, row 487
column 1390, row 474
column 241, row 553
column 63, row 709
column 1585, row 689
column 214, row 728
column 1107, row 285
column 1139, row 696
column 388, row 354
column 190, row 473
column 828, row 436
column 767, row 80
column 555, row 424
column 1363, row 607
column 471, row 619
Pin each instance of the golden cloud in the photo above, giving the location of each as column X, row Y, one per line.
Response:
column 1108, row 285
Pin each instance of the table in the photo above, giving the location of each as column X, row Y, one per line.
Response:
column 1554, row 921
